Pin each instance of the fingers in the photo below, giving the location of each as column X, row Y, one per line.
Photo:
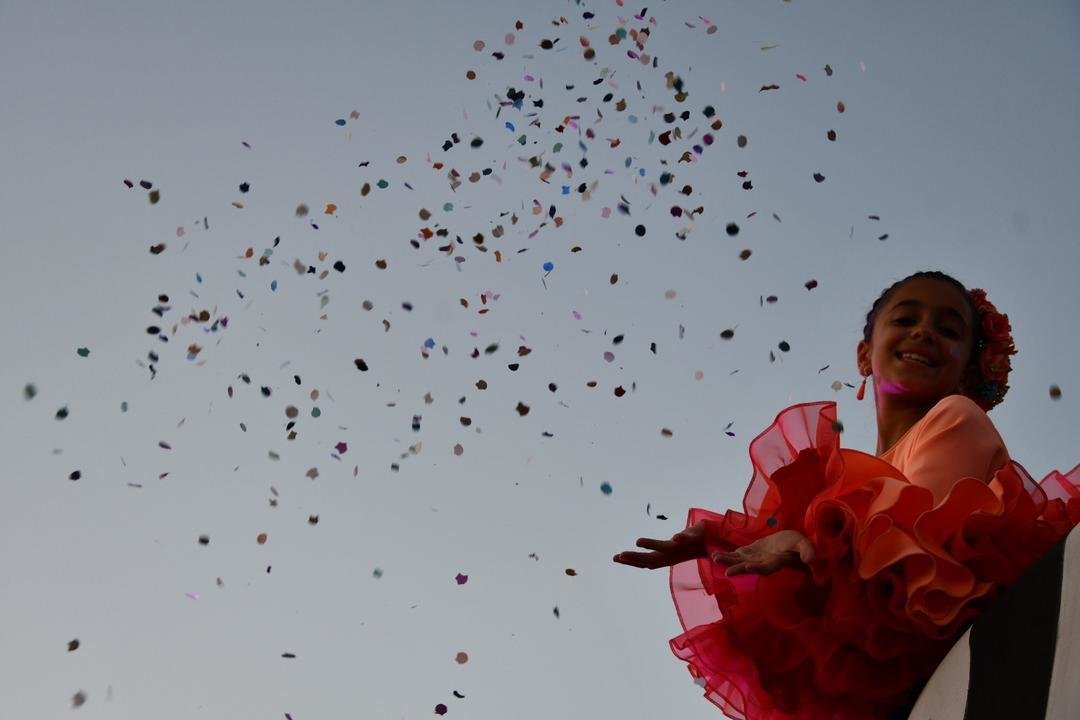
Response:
column 652, row 544
column 649, row 561
column 736, row 570
column 747, row 568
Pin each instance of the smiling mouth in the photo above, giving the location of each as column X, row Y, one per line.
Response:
column 914, row 359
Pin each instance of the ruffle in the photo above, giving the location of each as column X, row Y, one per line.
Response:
column 894, row 582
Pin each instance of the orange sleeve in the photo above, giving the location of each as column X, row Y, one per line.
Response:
column 957, row 440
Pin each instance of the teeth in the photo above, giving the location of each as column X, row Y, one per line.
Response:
column 917, row 358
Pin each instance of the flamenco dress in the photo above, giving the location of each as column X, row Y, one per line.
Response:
column 910, row 547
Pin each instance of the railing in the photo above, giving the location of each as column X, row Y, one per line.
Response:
column 1021, row 660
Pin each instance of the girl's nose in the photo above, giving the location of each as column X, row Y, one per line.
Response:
column 923, row 330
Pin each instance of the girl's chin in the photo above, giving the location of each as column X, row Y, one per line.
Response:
column 907, row 388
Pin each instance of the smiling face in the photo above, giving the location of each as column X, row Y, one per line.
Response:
column 921, row 342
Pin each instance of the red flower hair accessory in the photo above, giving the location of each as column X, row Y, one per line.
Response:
column 993, row 348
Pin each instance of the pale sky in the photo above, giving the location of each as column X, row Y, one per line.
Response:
column 958, row 133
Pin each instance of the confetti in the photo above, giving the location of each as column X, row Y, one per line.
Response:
column 562, row 143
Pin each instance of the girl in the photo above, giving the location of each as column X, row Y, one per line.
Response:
column 846, row 578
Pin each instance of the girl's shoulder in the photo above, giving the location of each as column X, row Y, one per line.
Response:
column 954, row 440
column 958, row 419
column 953, row 410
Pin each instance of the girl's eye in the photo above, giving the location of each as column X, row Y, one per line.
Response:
column 949, row 332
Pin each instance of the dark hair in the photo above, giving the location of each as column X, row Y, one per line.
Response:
column 977, row 340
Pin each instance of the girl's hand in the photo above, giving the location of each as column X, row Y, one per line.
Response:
column 686, row 545
column 787, row 548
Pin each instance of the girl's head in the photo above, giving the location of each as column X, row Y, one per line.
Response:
column 927, row 336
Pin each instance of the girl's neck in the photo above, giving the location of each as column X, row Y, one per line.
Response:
column 894, row 419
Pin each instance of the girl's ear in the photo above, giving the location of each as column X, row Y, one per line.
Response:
column 862, row 357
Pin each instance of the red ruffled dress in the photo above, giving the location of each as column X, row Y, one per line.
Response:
column 910, row 548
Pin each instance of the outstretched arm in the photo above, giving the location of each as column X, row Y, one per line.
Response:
column 688, row 544
column 786, row 548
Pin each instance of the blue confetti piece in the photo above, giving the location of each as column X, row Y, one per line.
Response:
column 273, row 285
column 510, row 126
column 198, row 278
column 339, row 121
column 632, row 119
column 429, row 343
column 605, row 487
column 565, row 189
column 549, row 266
column 629, row 161
column 124, row 406
column 641, row 172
